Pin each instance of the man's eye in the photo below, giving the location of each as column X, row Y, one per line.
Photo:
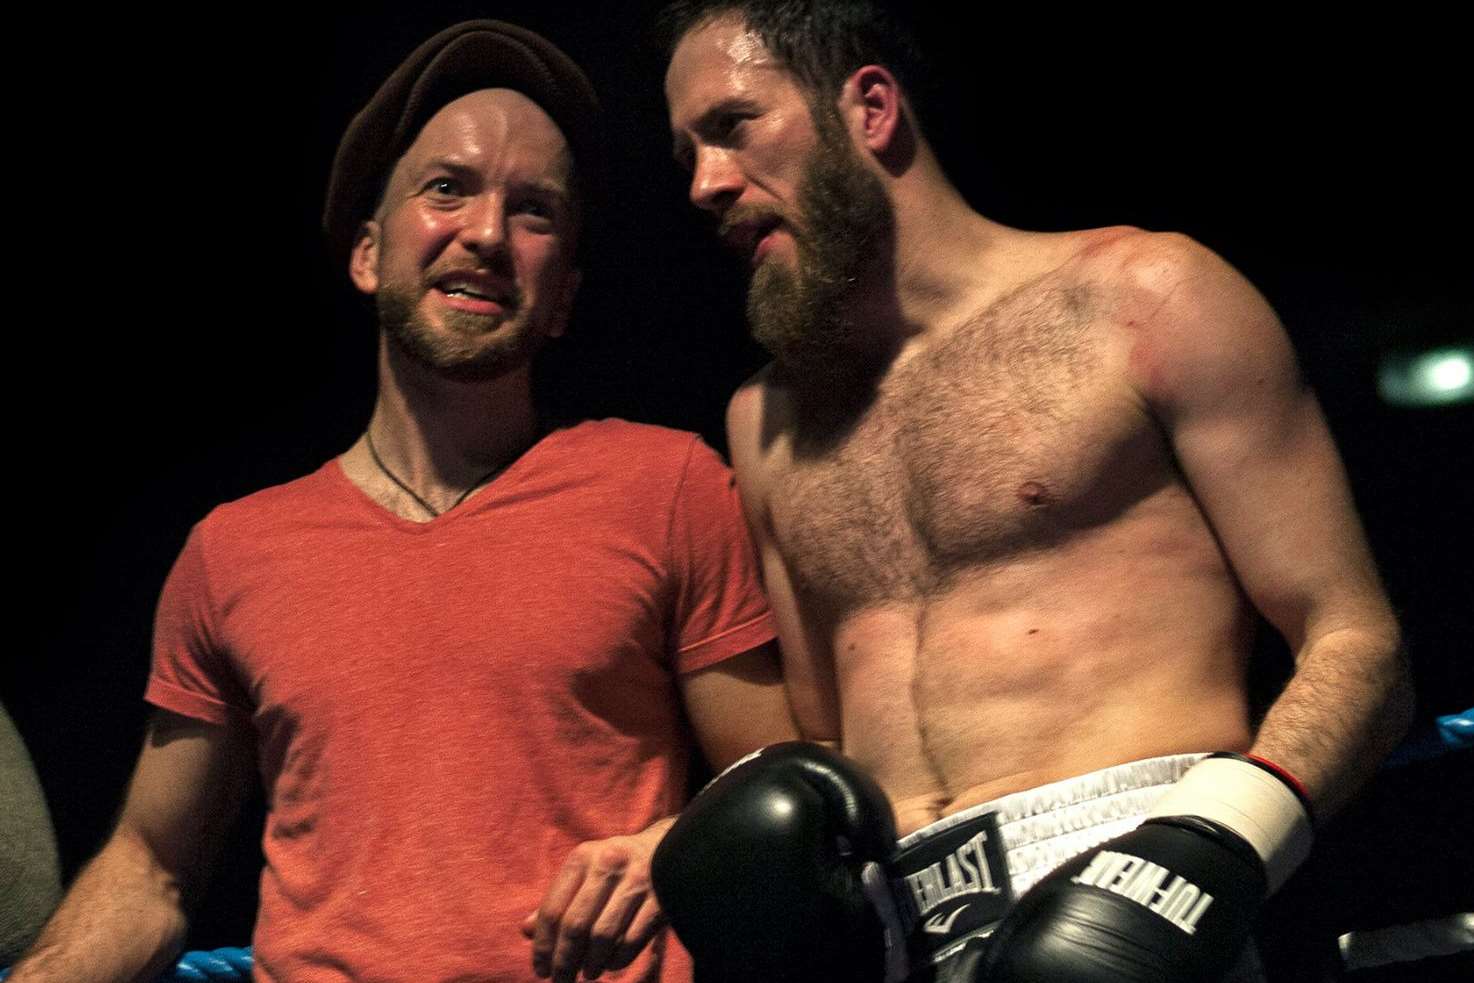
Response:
column 443, row 186
column 726, row 126
column 535, row 207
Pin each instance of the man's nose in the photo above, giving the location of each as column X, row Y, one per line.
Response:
column 484, row 227
column 716, row 181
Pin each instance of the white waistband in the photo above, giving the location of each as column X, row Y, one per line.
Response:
column 1045, row 826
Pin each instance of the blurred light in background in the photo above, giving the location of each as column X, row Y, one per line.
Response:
column 1438, row 377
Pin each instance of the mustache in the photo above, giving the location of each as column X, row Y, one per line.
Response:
column 750, row 216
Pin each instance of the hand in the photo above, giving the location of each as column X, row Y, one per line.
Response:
column 599, row 913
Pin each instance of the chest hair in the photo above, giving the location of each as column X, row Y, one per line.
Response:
column 990, row 442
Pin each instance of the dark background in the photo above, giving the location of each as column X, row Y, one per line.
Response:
column 189, row 343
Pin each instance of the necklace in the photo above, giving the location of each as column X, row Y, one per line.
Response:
column 434, row 512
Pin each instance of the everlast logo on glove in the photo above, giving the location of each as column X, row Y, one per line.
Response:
column 950, row 886
column 1178, row 900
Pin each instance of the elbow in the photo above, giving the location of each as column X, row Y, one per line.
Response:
column 1398, row 701
column 1401, row 700
column 1373, row 652
column 158, row 888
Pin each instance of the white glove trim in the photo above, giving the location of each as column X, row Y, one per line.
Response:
column 1251, row 801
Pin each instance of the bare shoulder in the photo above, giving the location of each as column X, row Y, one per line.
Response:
column 744, row 409
column 1130, row 270
column 757, row 413
column 1156, row 263
column 1176, row 275
column 1189, row 317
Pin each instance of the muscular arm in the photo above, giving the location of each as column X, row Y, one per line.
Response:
column 125, row 916
column 1215, row 367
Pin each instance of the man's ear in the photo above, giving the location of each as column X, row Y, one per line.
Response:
column 870, row 104
column 363, row 260
column 569, row 291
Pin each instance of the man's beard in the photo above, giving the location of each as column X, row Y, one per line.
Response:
column 802, row 317
column 459, row 351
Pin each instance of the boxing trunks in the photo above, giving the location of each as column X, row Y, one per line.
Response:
column 952, row 881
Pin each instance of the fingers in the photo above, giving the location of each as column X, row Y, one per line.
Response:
column 546, row 920
column 630, row 921
column 580, row 920
column 607, row 936
column 599, row 913
column 647, row 921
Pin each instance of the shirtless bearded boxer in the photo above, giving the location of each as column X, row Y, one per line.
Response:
column 1019, row 497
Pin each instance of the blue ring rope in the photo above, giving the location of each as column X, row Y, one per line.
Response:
column 220, row 964
column 1448, row 733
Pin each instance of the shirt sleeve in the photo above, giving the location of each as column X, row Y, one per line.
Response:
column 190, row 674
column 720, row 607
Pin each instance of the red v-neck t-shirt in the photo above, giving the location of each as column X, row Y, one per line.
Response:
column 443, row 710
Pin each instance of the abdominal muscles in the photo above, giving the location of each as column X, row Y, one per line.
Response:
column 1125, row 642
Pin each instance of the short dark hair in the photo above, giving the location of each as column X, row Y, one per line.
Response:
column 820, row 41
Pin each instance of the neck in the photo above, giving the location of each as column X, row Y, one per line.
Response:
column 943, row 263
column 947, row 256
column 438, row 436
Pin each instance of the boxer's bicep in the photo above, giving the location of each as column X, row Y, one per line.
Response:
column 1251, row 441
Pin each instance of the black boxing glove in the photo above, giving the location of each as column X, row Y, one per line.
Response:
column 761, row 877
column 1173, row 900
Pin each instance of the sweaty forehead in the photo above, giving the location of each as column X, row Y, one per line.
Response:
column 720, row 59
column 497, row 129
